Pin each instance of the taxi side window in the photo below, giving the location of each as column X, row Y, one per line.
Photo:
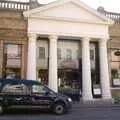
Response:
column 38, row 89
column 17, row 88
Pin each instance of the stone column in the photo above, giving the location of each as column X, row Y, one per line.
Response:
column 86, row 71
column 31, row 61
column 52, row 83
column 104, row 72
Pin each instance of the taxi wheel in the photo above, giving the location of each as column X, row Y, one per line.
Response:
column 59, row 108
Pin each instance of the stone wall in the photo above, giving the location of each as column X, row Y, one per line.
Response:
column 13, row 29
column 12, row 25
column 114, row 32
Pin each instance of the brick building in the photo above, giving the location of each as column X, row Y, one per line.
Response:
column 13, row 40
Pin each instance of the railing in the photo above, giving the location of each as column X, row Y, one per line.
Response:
column 110, row 15
column 14, row 5
column 113, row 16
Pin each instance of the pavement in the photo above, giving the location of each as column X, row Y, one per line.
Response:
column 79, row 105
column 95, row 104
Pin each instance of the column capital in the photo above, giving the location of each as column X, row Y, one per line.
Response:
column 53, row 37
column 32, row 35
column 103, row 40
column 86, row 39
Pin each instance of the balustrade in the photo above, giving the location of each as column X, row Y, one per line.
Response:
column 14, row 5
column 111, row 15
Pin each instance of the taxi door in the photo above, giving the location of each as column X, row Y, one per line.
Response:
column 40, row 97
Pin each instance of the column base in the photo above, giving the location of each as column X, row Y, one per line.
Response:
column 98, row 101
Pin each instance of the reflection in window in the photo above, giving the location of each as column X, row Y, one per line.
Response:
column 78, row 52
column 91, row 54
column 68, row 54
column 58, row 53
column 41, row 52
column 38, row 89
column 15, row 88
column 12, row 61
column 12, row 51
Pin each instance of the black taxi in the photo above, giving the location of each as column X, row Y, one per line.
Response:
column 31, row 94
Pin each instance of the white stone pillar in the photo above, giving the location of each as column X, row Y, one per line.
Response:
column 31, row 61
column 104, row 72
column 53, row 63
column 86, row 71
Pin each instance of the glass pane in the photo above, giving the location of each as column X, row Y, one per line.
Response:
column 12, row 61
column 92, row 54
column 38, row 89
column 12, row 73
column 41, row 52
column 15, row 63
column 17, row 88
column 68, row 54
column 12, row 51
column 79, row 54
column 58, row 53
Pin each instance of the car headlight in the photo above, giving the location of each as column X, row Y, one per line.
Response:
column 69, row 99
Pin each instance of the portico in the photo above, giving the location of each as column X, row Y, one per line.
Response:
column 69, row 19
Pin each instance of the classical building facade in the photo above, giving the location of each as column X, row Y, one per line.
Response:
column 62, row 23
column 62, row 44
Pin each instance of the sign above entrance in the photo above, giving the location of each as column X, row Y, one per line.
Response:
column 68, row 64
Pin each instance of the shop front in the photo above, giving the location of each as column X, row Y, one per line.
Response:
column 13, row 59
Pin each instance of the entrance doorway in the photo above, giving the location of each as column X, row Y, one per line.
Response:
column 43, row 76
column 70, row 82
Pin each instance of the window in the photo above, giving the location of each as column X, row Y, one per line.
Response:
column 15, row 88
column 68, row 54
column 92, row 54
column 78, row 52
column 12, row 51
column 58, row 53
column 41, row 52
column 12, row 60
column 38, row 89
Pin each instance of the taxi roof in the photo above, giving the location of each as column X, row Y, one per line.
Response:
column 19, row 81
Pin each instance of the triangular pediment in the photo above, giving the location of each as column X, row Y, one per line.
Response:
column 67, row 9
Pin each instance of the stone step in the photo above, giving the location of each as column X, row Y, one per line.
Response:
column 94, row 103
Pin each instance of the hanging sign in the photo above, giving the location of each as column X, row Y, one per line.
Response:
column 117, row 53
